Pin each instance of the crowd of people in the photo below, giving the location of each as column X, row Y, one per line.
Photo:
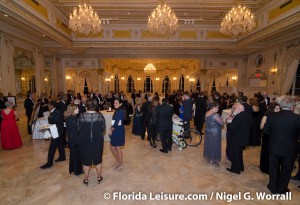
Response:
column 273, row 124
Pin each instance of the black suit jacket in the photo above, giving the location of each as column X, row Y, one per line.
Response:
column 248, row 108
column 164, row 115
column 81, row 108
column 200, row 109
column 28, row 104
column 144, row 109
column 240, row 129
column 62, row 106
column 187, row 109
column 284, row 129
column 56, row 117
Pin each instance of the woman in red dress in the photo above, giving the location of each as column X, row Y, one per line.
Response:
column 10, row 136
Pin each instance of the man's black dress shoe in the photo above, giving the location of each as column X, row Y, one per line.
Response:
column 60, row 160
column 170, row 149
column 233, row 171
column 46, row 166
column 164, row 151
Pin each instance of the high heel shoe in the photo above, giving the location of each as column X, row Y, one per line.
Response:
column 154, row 145
column 86, row 182
column 100, row 179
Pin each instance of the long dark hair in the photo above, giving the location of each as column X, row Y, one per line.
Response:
column 119, row 108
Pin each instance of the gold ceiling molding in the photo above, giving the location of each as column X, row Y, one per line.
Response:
column 263, row 33
column 22, row 15
column 216, row 34
column 187, row 34
column 122, row 34
column 279, row 11
column 37, row 7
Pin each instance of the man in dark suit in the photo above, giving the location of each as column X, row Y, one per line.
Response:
column 284, row 129
column 62, row 107
column 200, row 112
column 81, row 106
column 29, row 105
column 248, row 108
column 55, row 117
column 99, row 99
column 239, row 129
column 144, row 109
column 164, row 115
column 187, row 108
column 266, row 98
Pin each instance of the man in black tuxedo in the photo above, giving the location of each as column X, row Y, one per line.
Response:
column 248, row 108
column 266, row 98
column 55, row 117
column 200, row 112
column 187, row 108
column 62, row 107
column 284, row 129
column 29, row 105
column 164, row 115
column 81, row 106
column 99, row 99
column 144, row 109
column 239, row 129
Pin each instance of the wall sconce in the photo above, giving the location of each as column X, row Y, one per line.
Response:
column 273, row 71
column 112, row 76
column 46, row 79
column 234, row 77
column 138, row 78
column 23, row 78
column 156, row 78
column 68, row 77
column 174, row 78
column 122, row 78
column 107, row 79
column 192, row 79
column 187, row 77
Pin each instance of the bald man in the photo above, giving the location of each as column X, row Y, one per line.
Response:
column 239, row 129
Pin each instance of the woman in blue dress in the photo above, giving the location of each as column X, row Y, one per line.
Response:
column 137, row 119
column 213, row 140
column 117, row 134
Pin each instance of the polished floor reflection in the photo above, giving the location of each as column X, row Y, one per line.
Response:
column 146, row 170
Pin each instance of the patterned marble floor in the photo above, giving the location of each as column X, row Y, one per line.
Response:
column 146, row 171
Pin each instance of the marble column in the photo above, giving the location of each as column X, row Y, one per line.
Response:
column 7, row 71
column 39, row 71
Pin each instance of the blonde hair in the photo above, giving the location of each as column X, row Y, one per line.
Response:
column 70, row 110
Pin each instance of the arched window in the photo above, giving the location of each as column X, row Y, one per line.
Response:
column 295, row 89
column 166, row 86
column 198, row 86
column 148, row 85
column 214, row 88
column 130, row 84
column 117, row 84
column 181, row 83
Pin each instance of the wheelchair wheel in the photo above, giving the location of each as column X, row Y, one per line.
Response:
column 192, row 137
column 182, row 144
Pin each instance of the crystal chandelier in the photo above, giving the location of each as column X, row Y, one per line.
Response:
column 149, row 68
column 84, row 20
column 237, row 21
column 163, row 21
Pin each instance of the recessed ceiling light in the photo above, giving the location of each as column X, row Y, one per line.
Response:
column 43, row 35
column 128, row 13
column 185, row 14
column 5, row 15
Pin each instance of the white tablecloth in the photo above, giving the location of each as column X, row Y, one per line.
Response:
column 225, row 115
column 108, row 119
column 37, row 132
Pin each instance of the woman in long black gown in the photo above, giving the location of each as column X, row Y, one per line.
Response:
column 264, row 153
column 91, row 125
column 75, row 164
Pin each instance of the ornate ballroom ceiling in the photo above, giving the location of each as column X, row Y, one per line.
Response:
column 43, row 23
